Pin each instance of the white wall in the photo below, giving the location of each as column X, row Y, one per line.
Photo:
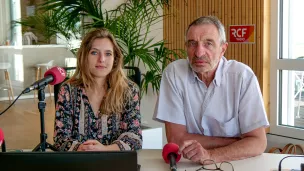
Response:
column 112, row 4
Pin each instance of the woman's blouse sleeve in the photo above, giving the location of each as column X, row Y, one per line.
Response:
column 131, row 133
column 63, row 140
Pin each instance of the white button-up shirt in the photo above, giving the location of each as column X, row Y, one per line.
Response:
column 232, row 104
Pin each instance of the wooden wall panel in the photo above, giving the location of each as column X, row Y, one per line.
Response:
column 231, row 12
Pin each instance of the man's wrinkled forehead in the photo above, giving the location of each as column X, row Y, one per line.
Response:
column 202, row 32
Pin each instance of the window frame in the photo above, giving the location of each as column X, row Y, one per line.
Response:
column 277, row 64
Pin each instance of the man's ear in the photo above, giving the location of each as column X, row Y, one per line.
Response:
column 224, row 47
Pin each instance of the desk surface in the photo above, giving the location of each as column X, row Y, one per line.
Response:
column 152, row 160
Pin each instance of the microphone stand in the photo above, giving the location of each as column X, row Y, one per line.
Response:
column 172, row 158
column 43, row 136
column 3, row 146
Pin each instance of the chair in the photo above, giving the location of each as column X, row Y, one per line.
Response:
column 39, row 67
column 299, row 78
column 135, row 75
column 28, row 37
column 288, row 149
column 5, row 66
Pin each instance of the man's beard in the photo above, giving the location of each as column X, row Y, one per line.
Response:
column 210, row 65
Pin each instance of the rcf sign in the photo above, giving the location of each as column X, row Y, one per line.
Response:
column 241, row 34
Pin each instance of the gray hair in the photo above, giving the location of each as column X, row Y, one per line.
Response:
column 210, row 20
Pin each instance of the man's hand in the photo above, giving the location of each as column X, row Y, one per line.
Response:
column 177, row 134
column 92, row 145
column 193, row 150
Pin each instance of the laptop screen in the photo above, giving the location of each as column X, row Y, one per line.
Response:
column 76, row 161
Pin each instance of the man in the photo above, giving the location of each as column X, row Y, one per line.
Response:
column 212, row 107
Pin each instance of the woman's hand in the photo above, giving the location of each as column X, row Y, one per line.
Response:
column 94, row 145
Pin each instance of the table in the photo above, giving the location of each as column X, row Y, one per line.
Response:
column 151, row 160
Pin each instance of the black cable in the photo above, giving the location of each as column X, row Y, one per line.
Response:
column 285, row 158
column 13, row 102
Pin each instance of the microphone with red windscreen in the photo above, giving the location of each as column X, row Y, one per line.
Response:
column 52, row 76
column 2, row 142
column 170, row 155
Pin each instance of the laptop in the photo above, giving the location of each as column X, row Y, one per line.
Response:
column 63, row 161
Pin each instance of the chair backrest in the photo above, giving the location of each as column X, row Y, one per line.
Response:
column 50, row 63
column 135, row 77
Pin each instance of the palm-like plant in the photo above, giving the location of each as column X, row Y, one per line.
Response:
column 130, row 23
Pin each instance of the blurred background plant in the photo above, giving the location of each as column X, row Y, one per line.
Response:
column 131, row 23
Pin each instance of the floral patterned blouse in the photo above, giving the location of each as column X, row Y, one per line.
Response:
column 75, row 121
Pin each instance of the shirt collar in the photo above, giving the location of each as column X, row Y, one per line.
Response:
column 219, row 72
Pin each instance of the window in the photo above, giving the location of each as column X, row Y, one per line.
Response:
column 287, row 68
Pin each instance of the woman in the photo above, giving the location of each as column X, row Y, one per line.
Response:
column 98, row 108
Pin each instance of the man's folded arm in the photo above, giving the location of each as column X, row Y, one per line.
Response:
column 222, row 149
column 177, row 133
column 251, row 144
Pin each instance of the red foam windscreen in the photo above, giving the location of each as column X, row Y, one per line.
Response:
column 1, row 136
column 58, row 73
column 171, row 148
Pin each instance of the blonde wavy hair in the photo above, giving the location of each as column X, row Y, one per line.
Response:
column 118, row 88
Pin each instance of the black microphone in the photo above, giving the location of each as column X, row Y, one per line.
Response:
column 2, row 142
column 302, row 166
column 170, row 154
column 52, row 76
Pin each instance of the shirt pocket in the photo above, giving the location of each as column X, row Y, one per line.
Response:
column 214, row 127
